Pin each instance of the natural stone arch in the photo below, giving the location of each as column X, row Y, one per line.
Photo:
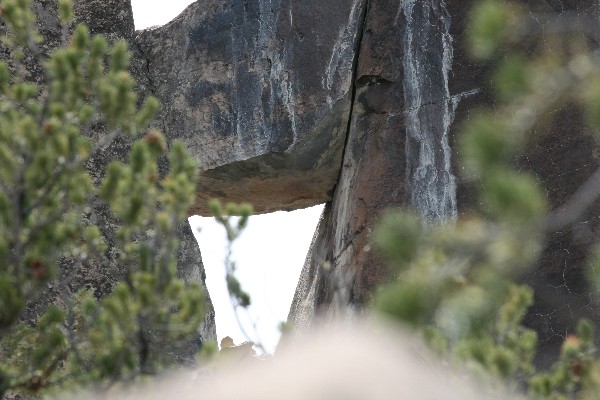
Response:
column 288, row 103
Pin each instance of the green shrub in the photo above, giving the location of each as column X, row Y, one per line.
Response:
column 47, row 204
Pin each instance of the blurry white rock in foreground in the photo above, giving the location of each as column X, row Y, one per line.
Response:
column 346, row 363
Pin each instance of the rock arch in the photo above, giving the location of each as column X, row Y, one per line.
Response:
column 289, row 103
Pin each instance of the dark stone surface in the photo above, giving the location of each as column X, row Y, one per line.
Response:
column 375, row 172
column 260, row 93
column 340, row 269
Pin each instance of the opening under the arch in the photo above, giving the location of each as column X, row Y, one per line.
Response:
column 269, row 258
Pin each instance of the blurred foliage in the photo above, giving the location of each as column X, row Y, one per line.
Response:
column 234, row 218
column 456, row 281
column 48, row 203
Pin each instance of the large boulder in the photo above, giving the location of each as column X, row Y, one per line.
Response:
column 414, row 84
column 261, row 92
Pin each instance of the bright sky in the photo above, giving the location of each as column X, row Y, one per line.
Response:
column 147, row 13
column 269, row 255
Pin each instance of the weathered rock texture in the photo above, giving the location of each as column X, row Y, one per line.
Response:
column 414, row 84
column 261, row 92
column 357, row 103
column 398, row 150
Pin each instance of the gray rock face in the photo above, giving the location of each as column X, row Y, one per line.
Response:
column 261, row 92
column 414, row 86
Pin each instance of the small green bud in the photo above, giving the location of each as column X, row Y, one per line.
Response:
column 585, row 331
column 513, row 197
column 529, row 340
column 86, row 113
column 511, row 78
column 147, row 112
column 81, row 37
column 135, row 209
column 571, row 347
column 504, row 362
column 231, row 209
column 120, row 56
column 99, row 46
column 410, row 303
column 156, row 142
column 112, row 180
column 145, row 257
column 65, row 11
column 489, row 27
column 139, row 157
column 244, row 299
column 53, row 315
column 4, row 77
column 398, row 236
column 25, row 91
column 233, row 285
column 245, row 210
column 214, row 205
column 486, row 144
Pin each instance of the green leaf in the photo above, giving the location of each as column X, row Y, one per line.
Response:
column 513, row 197
column 398, row 236
column 489, row 27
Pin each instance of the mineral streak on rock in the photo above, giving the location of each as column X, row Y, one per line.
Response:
column 260, row 91
column 397, row 154
column 429, row 109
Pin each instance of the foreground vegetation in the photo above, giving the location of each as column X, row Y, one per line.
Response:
column 49, row 223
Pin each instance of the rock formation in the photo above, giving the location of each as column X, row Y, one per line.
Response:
column 357, row 103
column 413, row 87
column 261, row 93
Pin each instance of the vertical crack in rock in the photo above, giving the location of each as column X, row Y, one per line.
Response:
column 363, row 6
column 318, row 287
column 344, row 46
column 429, row 109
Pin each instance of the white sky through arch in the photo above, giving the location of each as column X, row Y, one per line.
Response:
column 269, row 255
column 147, row 13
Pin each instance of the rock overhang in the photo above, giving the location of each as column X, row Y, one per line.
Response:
column 260, row 95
